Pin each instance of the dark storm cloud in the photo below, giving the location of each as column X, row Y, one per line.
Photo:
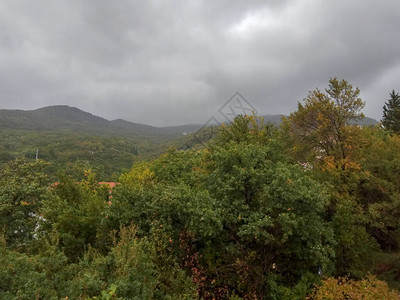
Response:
column 171, row 62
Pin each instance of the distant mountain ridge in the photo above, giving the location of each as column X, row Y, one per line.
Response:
column 66, row 118
column 72, row 119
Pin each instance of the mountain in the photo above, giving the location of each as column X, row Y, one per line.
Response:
column 71, row 139
column 121, row 124
column 274, row 119
column 70, row 119
column 66, row 136
column 366, row 121
column 49, row 118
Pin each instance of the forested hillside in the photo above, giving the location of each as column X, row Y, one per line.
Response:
column 68, row 138
column 309, row 209
column 71, row 119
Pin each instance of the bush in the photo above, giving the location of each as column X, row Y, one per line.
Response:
column 345, row 288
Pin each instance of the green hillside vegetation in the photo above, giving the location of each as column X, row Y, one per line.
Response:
column 309, row 209
column 109, row 156
column 68, row 137
column 70, row 119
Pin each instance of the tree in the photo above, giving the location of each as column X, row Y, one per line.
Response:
column 324, row 136
column 272, row 214
column 76, row 212
column 391, row 113
column 320, row 125
column 345, row 288
column 379, row 191
column 23, row 187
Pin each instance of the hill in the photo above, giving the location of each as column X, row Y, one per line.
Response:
column 67, row 136
column 66, row 118
column 71, row 119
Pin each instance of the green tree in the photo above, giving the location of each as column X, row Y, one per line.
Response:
column 23, row 187
column 391, row 113
column 76, row 211
column 320, row 126
column 378, row 190
column 324, row 137
column 272, row 213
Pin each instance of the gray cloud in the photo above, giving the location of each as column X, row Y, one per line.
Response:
column 174, row 62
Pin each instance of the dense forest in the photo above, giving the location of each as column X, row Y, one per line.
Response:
column 309, row 209
column 72, row 140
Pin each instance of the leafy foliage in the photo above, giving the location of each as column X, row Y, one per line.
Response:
column 321, row 123
column 344, row 288
column 259, row 212
column 391, row 113
column 76, row 212
column 22, row 188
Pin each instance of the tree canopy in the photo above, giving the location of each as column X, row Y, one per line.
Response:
column 320, row 124
column 306, row 210
column 391, row 113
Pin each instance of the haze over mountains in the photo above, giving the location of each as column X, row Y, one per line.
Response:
column 72, row 119
column 66, row 118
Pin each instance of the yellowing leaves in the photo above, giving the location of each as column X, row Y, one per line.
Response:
column 138, row 175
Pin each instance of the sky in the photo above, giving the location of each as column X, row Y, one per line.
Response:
column 173, row 62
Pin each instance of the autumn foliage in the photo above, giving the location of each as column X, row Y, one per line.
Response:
column 306, row 210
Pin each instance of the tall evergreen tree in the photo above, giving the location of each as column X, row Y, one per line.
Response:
column 391, row 113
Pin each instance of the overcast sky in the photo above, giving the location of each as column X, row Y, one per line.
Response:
column 174, row 62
